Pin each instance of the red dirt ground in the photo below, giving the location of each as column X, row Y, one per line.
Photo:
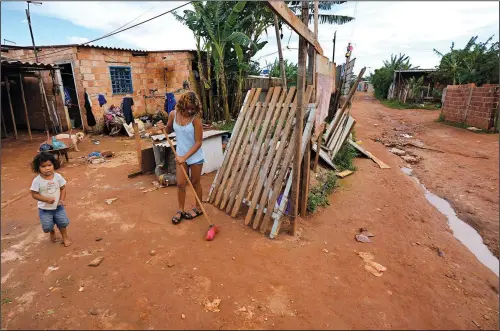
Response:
column 287, row 283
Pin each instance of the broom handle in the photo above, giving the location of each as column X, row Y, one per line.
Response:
column 187, row 178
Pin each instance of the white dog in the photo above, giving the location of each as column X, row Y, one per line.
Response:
column 75, row 139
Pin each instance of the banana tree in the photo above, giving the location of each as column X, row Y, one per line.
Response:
column 223, row 28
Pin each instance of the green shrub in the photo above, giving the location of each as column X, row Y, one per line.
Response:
column 441, row 118
column 344, row 157
column 318, row 195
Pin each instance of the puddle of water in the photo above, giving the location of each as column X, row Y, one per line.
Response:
column 465, row 233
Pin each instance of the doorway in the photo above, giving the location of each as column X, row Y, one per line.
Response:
column 68, row 82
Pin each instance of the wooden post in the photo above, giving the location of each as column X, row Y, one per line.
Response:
column 319, row 141
column 7, row 85
column 61, row 92
column 42, row 94
column 3, row 125
column 320, row 134
column 137, row 143
column 25, row 107
column 280, row 51
column 298, row 120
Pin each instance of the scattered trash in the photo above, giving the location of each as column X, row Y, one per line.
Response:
column 98, row 239
column 80, row 289
column 397, row 151
column 406, row 135
column 212, row 306
column 49, row 270
column 170, row 265
column 93, row 312
column 325, row 250
column 362, row 238
column 473, row 128
column 183, row 316
column 110, row 201
column 475, row 323
column 242, row 309
column 371, row 266
column 95, row 262
column 152, row 253
column 440, row 252
column 95, row 142
column 50, row 312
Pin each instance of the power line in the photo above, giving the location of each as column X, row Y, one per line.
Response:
column 115, row 32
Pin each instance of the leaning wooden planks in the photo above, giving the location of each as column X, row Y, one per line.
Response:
column 258, row 158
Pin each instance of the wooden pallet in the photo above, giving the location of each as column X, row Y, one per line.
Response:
column 258, row 157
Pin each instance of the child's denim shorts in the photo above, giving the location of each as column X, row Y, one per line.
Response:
column 50, row 217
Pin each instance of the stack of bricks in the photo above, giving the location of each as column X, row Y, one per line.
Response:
column 474, row 106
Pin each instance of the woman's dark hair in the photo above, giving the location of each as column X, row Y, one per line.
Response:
column 41, row 158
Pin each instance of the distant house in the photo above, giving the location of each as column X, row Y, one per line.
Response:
column 399, row 88
column 112, row 72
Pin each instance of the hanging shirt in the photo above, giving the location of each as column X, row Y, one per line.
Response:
column 88, row 106
column 67, row 98
column 101, row 99
column 127, row 104
column 169, row 102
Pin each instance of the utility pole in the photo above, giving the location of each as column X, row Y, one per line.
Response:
column 334, row 40
column 39, row 76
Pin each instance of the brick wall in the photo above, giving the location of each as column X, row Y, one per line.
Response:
column 475, row 106
column 165, row 71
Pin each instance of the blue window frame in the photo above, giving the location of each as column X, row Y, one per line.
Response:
column 121, row 80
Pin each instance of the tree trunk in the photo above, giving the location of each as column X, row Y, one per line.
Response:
column 227, row 115
column 280, row 51
column 210, row 92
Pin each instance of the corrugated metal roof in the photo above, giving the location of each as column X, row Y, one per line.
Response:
column 25, row 64
column 97, row 46
column 416, row 70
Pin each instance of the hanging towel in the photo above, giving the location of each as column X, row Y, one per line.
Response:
column 88, row 106
column 101, row 99
column 169, row 102
column 67, row 98
column 127, row 104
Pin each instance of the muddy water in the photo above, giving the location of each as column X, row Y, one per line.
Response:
column 466, row 234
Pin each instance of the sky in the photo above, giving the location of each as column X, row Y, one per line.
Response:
column 378, row 30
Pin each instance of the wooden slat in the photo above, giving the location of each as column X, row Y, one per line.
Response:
column 7, row 86
column 277, row 222
column 273, row 155
column 324, row 156
column 25, row 107
column 348, row 129
column 336, row 133
column 304, row 185
column 230, row 146
column 237, row 148
column 258, row 154
column 255, row 174
column 266, row 181
column 369, row 155
column 241, row 145
column 282, row 10
column 256, row 134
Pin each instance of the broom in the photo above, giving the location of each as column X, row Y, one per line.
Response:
column 212, row 229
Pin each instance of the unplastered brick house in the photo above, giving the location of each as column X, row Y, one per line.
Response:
column 112, row 72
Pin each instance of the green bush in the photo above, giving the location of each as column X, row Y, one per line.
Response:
column 318, row 196
column 344, row 157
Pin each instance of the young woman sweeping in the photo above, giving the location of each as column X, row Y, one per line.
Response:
column 185, row 121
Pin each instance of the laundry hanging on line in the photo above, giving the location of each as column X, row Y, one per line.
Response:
column 169, row 102
column 127, row 104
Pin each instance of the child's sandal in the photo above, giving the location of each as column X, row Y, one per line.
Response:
column 196, row 214
column 176, row 220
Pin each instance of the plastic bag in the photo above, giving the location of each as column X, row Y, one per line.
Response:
column 56, row 144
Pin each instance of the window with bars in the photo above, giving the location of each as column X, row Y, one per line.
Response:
column 121, row 80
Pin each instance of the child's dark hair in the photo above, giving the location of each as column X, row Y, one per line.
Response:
column 41, row 158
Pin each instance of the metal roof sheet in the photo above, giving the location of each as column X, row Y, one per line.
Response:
column 26, row 64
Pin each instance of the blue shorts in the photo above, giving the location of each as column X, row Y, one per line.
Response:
column 199, row 162
column 50, row 217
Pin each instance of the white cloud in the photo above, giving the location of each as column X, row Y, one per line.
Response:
column 24, row 21
column 379, row 28
column 77, row 40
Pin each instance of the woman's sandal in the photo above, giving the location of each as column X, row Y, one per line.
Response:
column 188, row 215
column 176, row 220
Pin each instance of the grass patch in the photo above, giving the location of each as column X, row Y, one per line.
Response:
column 459, row 125
column 225, row 126
column 344, row 157
column 318, row 196
column 395, row 104
column 6, row 300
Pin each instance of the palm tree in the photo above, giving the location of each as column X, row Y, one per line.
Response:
column 323, row 17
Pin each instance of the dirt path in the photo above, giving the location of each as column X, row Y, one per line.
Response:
column 313, row 281
column 463, row 171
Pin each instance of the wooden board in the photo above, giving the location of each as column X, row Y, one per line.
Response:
column 381, row 164
column 285, row 13
column 344, row 173
column 324, row 156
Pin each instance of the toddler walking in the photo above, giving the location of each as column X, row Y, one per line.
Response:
column 50, row 191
